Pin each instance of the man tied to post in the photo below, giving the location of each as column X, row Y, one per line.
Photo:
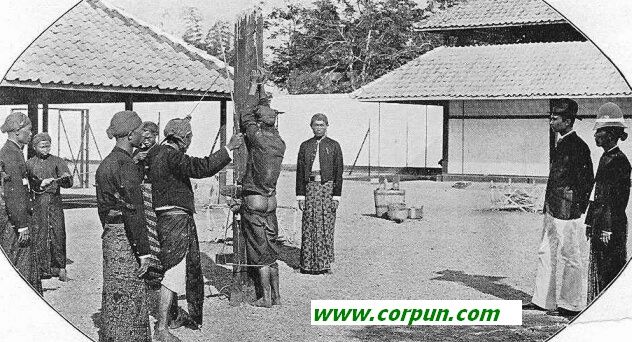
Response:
column 16, row 236
column 566, row 199
column 258, row 211
column 170, row 173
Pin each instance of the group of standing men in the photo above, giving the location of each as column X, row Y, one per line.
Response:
column 571, row 192
column 32, row 228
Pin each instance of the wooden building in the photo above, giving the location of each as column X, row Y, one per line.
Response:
column 496, row 97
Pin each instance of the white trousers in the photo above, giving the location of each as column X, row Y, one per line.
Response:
column 563, row 241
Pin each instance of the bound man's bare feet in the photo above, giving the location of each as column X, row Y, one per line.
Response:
column 262, row 303
column 163, row 335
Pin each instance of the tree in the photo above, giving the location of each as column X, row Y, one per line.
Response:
column 219, row 40
column 338, row 46
column 193, row 27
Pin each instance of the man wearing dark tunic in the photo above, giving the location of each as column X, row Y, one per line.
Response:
column 566, row 199
column 50, row 240
column 319, row 169
column 126, row 253
column 258, row 211
column 170, row 173
column 607, row 223
column 16, row 236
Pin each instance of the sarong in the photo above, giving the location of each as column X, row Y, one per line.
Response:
column 50, row 240
column 24, row 259
column 124, row 307
column 150, row 219
column 260, row 231
column 606, row 261
column 178, row 240
column 319, row 218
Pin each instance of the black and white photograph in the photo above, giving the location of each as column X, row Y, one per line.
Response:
column 315, row 170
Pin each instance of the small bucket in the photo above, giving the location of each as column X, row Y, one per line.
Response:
column 385, row 197
column 416, row 212
column 397, row 212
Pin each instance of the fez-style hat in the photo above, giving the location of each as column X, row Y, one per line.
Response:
column 609, row 115
column 14, row 122
column 39, row 137
column 564, row 107
column 319, row 117
column 123, row 123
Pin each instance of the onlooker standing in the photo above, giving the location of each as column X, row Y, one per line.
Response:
column 15, row 238
column 607, row 223
column 124, row 305
column 50, row 240
column 566, row 199
column 318, row 189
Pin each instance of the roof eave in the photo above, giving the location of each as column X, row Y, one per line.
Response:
column 503, row 97
column 437, row 29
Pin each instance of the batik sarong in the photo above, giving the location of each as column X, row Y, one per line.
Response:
column 178, row 240
column 606, row 261
column 260, row 231
column 150, row 219
column 50, row 238
column 319, row 217
column 124, row 306
column 23, row 258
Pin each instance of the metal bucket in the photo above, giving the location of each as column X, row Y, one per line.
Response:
column 385, row 197
column 416, row 212
column 397, row 212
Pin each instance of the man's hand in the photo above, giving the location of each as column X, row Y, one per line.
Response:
column 144, row 267
column 588, row 232
column 605, row 236
column 235, row 141
column 24, row 238
column 301, row 205
column 140, row 156
column 336, row 204
column 46, row 182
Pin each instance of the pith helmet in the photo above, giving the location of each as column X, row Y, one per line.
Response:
column 609, row 115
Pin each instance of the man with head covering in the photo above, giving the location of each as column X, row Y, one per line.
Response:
column 566, row 199
column 170, row 173
column 318, row 189
column 50, row 240
column 258, row 210
column 16, row 237
column 126, row 252
column 606, row 219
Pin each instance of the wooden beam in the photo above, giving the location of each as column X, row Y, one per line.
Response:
column 129, row 103
column 45, row 117
column 32, row 111
column 446, row 135
column 222, row 138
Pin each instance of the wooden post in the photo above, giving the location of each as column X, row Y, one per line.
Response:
column 81, row 147
column 249, row 53
column 32, row 110
column 129, row 103
column 86, row 178
column 552, row 136
column 446, row 134
column 45, row 117
column 222, row 139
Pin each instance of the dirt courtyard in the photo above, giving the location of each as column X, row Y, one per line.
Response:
column 460, row 250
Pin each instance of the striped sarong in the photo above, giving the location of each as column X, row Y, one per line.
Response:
column 150, row 218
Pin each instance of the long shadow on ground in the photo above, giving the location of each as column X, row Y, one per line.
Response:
column 486, row 284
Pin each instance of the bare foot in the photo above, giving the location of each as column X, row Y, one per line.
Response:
column 164, row 335
column 62, row 275
column 276, row 300
column 262, row 303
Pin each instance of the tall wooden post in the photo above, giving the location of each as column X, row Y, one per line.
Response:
column 81, row 150
column 249, row 57
column 86, row 178
column 45, row 117
column 222, row 139
column 32, row 110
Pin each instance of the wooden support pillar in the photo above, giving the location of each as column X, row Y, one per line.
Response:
column 32, row 110
column 129, row 103
column 446, row 135
column 86, row 178
column 222, row 138
column 45, row 117
column 552, row 136
column 81, row 150
column 249, row 53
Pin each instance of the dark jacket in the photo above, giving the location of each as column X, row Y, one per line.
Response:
column 16, row 190
column 170, row 173
column 612, row 191
column 119, row 189
column 570, row 179
column 331, row 164
column 265, row 155
column 48, row 167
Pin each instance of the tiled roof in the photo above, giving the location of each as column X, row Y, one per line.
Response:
column 574, row 69
column 486, row 13
column 96, row 46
